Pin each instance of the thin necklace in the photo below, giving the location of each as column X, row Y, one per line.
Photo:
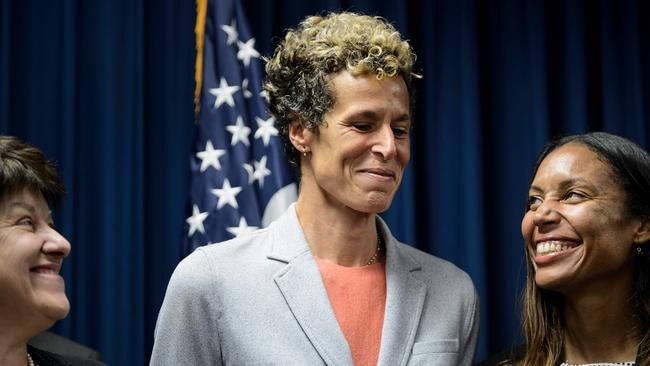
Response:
column 30, row 361
column 374, row 257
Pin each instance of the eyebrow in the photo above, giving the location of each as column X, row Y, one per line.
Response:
column 563, row 184
column 29, row 208
column 372, row 115
column 24, row 205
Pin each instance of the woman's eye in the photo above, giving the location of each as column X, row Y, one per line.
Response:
column 533, row 203
column 363, row 127
column 400, row 132
column 573, row 196
column 26, row 221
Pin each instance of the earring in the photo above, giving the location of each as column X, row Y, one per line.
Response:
column 301, row 149
column 638, row 250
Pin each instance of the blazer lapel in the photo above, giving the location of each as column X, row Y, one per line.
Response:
column 302, row 287
column 405, row 296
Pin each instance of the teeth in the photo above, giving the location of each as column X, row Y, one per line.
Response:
column 549, row 247
column 46, row 271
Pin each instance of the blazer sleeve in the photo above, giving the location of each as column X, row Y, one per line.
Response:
column 470, row 329
column 187, row 332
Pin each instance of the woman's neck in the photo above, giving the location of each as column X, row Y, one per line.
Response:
column 338, row 233
column 600, row 328
column 16, row 330
column 12, row 352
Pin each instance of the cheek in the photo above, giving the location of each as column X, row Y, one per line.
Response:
column 404, row 152
column 527, row 226
column 588, row 220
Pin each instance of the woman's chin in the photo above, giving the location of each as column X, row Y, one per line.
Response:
column 56, row 307
column 376, row 202
column 553, row 283
column 371, row 208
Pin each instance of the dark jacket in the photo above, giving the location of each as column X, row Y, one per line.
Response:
column 44, row 358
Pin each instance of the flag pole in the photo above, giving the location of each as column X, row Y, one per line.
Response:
column 199, row 30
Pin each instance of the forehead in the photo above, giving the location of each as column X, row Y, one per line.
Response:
column 575, row 161
column 24, row 199
column 352, row 90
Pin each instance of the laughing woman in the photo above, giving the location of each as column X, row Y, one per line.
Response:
column 587, row 233
column 32, row 295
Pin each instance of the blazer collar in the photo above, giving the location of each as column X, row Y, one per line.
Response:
column 288, row 240
column 302, row 287
column 405, row 295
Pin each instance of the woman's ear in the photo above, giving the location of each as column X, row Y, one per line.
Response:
column 300, row 136
column 642, row 235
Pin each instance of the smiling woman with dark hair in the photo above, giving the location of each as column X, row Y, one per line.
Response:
column 32, row 295
column 587, row 235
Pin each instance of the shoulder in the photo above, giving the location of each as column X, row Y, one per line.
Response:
column 434, row 271
column 200, row 266
column 55, row 343
column 45, row 358
column 210, row 272
column 239, row 247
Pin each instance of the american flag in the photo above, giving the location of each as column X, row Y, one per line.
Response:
column 240, row 178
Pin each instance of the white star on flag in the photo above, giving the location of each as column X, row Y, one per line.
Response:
column 265, row 129
column 226, row 195
column 210, row 157
column 243, row 228
column 247, row 51
column 258, row 172
column 239, row 132
column 196, row 221
column 233, row 153
column 231, row 31
column 244, row 89
column 224, row 93
column 265, row 95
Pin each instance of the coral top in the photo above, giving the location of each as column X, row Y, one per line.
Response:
column 358, row 297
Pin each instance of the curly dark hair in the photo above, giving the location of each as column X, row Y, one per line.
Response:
column 298, row 74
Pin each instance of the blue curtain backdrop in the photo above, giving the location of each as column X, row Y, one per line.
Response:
column 105, row 88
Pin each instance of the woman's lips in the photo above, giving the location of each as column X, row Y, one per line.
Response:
column 50, row 271
column 551, row 250
column 554, row 246
column 380, row 173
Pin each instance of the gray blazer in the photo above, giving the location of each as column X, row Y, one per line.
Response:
column 259, row 300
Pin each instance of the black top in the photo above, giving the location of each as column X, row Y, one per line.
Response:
column 44, row 358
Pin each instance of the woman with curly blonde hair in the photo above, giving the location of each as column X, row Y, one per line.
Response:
column 327, row 283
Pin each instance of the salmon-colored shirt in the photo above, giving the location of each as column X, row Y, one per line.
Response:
column 358, row 297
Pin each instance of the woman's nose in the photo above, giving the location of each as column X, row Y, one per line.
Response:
column 545, row 214
column 56, row 244
column 385, row 144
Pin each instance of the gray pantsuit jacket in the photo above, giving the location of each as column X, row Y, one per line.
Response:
column 259, row 300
